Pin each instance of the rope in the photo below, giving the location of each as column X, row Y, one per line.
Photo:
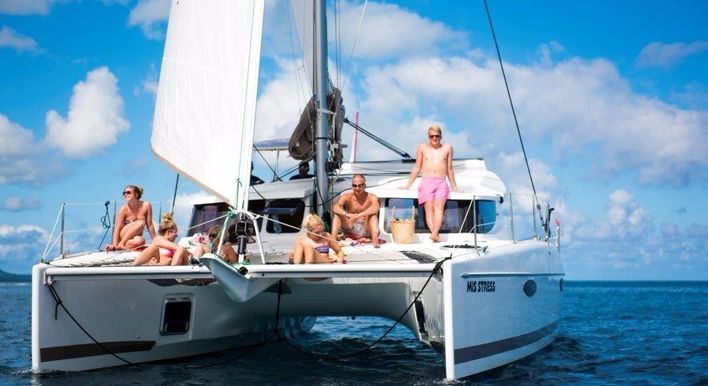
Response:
column 59, row 303
column 513, row 111
column 106, row 222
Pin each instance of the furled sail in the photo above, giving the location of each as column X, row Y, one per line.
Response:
column 206, row 100
column 301, row 145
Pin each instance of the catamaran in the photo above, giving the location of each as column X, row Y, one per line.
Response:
column 482, row 297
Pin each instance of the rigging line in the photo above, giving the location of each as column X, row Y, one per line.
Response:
column 298, row 78
column 381, row 141
column 49, row 241
column 258, row 151
column 313, row 354
column 511, row 102
column 356, row 39
column 59, row 303
column 174, row 195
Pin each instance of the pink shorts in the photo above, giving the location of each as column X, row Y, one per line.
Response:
column 432, row 188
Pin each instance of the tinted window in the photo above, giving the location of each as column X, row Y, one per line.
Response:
column 291, row 216
column 203, row 216
column 458, row 215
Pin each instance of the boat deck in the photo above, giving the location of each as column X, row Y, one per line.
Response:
column 388, row 254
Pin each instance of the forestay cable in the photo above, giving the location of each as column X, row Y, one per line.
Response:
column 513, row 111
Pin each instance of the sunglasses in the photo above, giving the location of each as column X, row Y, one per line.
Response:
column 213, row 236
column 127, row 192
column 358, row 185
column 434, row 136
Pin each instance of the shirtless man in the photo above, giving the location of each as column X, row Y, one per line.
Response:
column 131, row 221
column 356, row 212
column 435, row 161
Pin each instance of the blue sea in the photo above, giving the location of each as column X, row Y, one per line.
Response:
column 613, row 333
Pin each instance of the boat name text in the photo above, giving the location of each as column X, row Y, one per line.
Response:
column 481, row 286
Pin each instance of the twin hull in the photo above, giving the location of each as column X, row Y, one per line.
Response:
column 477, row 313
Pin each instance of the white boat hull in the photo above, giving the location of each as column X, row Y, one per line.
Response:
column 475, row 311
column 124, row 311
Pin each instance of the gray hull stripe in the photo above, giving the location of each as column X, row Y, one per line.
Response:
column 471, row 353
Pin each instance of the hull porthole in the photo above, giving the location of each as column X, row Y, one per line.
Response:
column 530, row 288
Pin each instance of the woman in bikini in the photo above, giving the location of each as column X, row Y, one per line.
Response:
column 164, row 250
column 131, row 220
column 228, row 253
column 313, row 246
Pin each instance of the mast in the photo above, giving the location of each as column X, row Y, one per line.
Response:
column 321, row 88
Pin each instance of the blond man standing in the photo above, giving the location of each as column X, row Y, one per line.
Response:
column 434, row 160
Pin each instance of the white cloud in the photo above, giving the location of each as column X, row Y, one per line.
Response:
column 12, row 39
column 666, row 55
column 95, row 117
column 17, row 147
column 574, row 104
column 25, row 7
column 183, row 208
column 151, row 16
column 14, row 139
column 23, row 242
column 17, row 204
column 389, row 31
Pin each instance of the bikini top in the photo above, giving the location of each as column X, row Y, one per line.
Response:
column 322, row 248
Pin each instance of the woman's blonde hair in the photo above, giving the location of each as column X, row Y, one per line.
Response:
column 138, row 191
column 167, row 223
column 312, row 220
column 215, row 230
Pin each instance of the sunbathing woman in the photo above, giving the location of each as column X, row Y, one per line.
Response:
column 131, row 220
column 227, row 251
column 313, row 246
column 164, row 250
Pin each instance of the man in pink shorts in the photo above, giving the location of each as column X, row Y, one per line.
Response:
column 434, row 160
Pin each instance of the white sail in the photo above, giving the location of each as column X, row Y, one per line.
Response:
column 303, row 15
column 206, row 100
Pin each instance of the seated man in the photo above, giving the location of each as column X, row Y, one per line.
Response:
column 356, row 212
column 303, row 171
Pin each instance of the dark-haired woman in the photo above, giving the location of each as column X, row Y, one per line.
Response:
column 131, row 221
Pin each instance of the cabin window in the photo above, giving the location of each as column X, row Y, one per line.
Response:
column 287, row 216
column 458, row 215
column 205, row 215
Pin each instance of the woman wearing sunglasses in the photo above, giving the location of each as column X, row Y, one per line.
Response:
column 131, row 221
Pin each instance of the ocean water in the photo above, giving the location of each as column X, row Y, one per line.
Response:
column 618, row 333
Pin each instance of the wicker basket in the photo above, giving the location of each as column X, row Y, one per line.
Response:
column 403, row 231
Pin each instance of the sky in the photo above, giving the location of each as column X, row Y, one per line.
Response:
column 611, row 98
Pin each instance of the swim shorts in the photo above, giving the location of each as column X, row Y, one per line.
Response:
column 358, row 229
column 432, row 188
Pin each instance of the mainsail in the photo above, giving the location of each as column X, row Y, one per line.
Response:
column 206, row 100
